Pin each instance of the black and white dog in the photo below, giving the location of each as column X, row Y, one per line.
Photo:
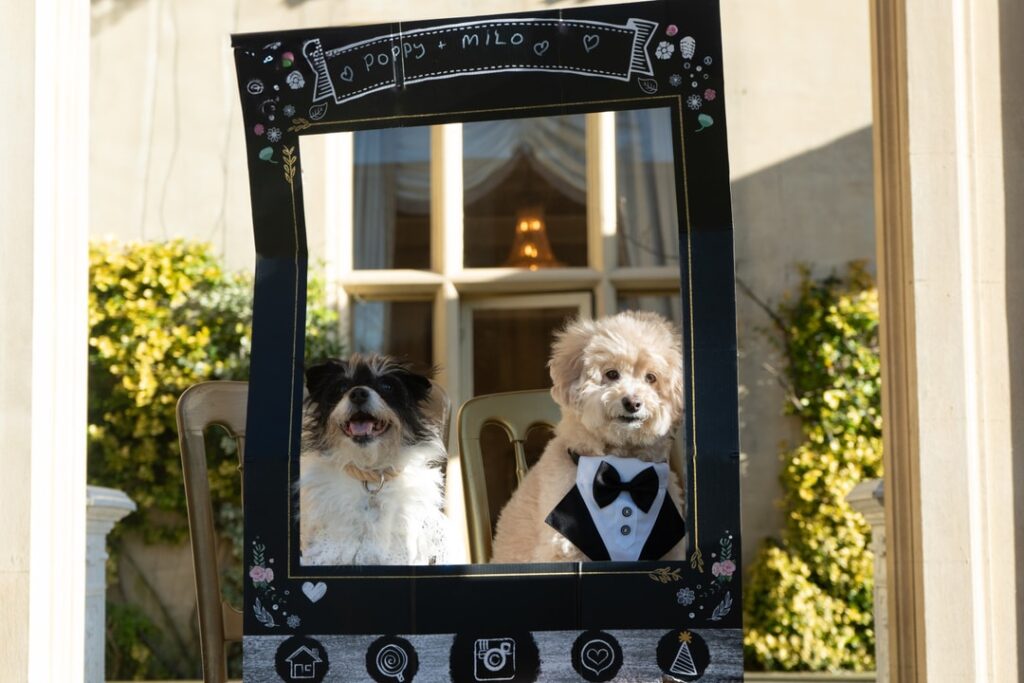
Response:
column 371, row 478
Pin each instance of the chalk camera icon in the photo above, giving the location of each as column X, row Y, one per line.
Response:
column 495, row 659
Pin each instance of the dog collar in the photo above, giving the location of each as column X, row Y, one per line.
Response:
column 378, row 477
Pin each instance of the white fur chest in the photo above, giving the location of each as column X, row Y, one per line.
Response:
column 342, row 522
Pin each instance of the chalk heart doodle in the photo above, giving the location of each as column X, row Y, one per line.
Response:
column 347, row 74
column 314, row 591
column 591, row 41
column 540, row 48
column 597, row 656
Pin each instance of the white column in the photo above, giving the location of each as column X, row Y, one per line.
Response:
column 44, row 155
column 867, row 498
column 105, row 508
column 948, row 140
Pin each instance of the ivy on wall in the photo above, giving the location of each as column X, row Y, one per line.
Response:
column 162, row 317
column 808, row 598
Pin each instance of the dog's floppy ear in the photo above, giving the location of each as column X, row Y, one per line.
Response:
column 566, row 363
column 319, row 376
column 417, row 385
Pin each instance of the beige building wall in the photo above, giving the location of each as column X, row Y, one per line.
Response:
column 168, row 154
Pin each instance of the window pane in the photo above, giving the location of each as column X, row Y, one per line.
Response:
column 511, row 347
column 398, row 328
column 525, row 169
column 392, row 198
column 668, row 305
column 645, row 182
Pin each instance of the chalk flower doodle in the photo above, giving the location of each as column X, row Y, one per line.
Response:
column 724, row 568
column 671, row 30
column 295, row 80
column 288, row 110
column 294, row 621
column 685, row 596
column 710, row 94
column 664, row 50
column 693, row 102
column 675, row 80
column 262, row 576
column 274, row 134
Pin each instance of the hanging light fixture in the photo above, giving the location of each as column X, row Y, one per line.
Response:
column 530, row 246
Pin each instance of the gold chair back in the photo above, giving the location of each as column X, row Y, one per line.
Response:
column 517, row 413
column 201, row 406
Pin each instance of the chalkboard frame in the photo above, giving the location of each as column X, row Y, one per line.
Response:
column 306, row 82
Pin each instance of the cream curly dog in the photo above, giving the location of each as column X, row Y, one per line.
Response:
column 602, row 489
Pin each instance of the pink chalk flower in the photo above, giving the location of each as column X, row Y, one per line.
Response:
column 724, row 568
column 671, row 30
column 710, row 94
column 261, row 574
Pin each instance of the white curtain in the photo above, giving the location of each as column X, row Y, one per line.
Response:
column 646, row 188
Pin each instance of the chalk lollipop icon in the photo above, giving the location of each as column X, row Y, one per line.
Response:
column 392, row 661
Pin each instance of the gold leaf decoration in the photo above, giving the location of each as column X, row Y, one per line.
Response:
column 289, row 163
column 697, row 560
column 665, row 575
column 299, row 124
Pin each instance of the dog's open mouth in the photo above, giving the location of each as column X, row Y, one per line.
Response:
column 363, row 427
column 630, row 419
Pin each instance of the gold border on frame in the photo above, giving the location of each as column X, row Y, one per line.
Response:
column 292, row 165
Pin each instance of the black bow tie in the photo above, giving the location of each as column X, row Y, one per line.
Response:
column 643, row 488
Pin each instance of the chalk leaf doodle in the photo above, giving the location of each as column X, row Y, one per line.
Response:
column 687, row 46
column 301, row 124
column 262, row 615
column 705, row 121
column 722, row 609
column 354, row 70
column 665, row 575
column 267, row 154
column 648, row 85
column 317, row 111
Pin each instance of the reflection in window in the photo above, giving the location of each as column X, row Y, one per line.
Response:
column 645, row 180
column 398, row 328
column 392, row 198
column 525, row 169
column 524, row 337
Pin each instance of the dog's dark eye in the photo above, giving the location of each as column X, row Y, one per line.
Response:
column 387, row 385
column 612, row 374
column 651, row 378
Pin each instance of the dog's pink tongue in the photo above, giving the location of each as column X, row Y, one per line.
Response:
column 360, row 428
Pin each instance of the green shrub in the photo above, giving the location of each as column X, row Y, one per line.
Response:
column 808, row 599
column 164, row 316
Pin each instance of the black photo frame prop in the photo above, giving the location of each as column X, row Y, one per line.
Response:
column 562, row 621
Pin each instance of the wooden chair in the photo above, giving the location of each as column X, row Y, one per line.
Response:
column 201, row 406
column 517, row 413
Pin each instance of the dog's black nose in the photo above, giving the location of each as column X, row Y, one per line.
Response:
column 359, row 395
column 631, row 404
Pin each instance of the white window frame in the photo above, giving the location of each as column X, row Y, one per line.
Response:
column 448, row 283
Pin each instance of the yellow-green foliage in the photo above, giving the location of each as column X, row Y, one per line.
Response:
column 162, row 317
column 808, row 599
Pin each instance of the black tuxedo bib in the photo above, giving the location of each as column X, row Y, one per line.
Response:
column 619, row 510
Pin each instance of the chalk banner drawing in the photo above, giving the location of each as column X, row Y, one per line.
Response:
column 585, row 48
